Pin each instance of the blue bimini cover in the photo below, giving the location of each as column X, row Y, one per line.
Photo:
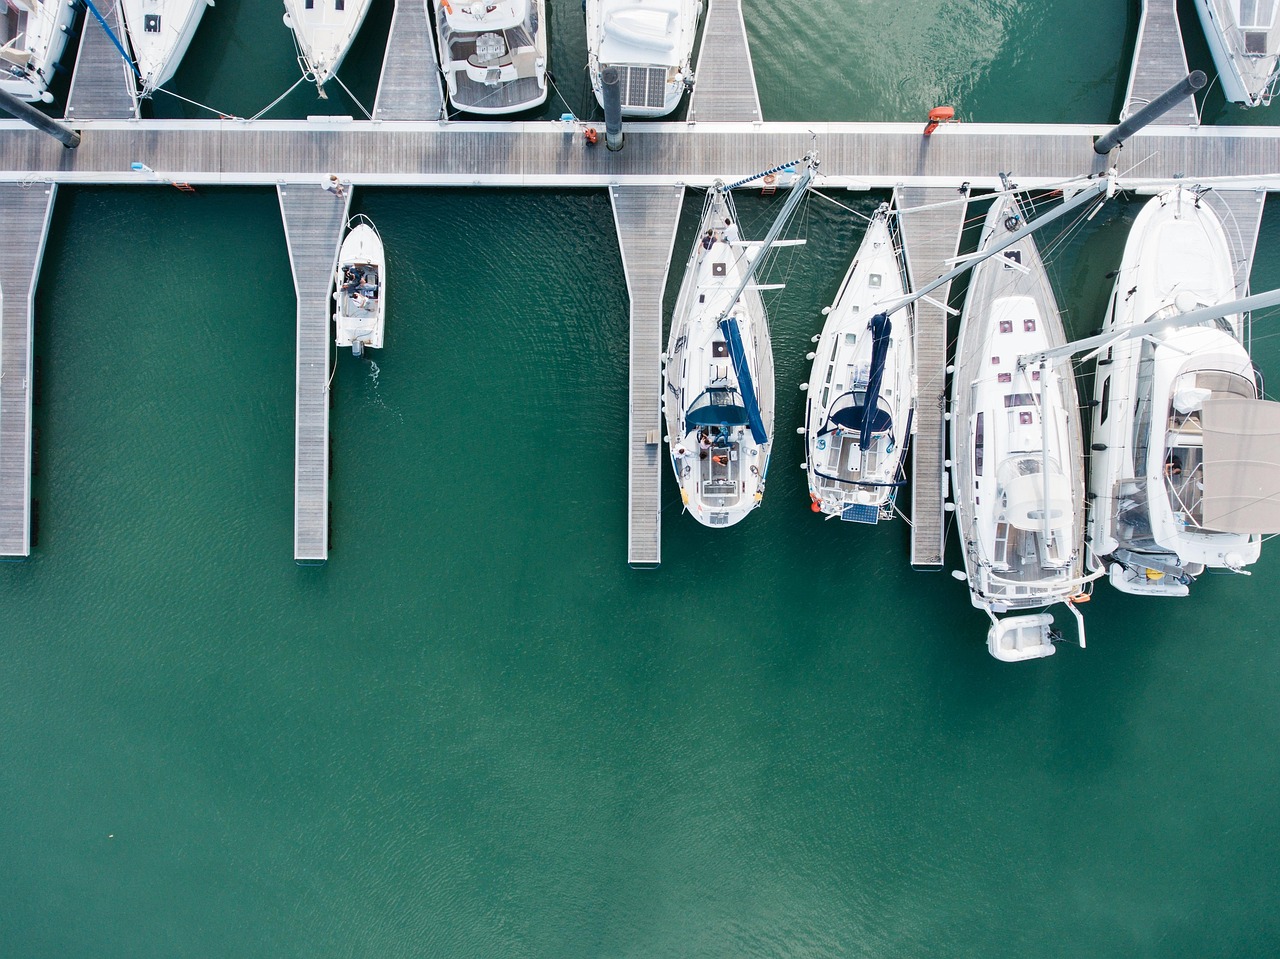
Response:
column 729, row 327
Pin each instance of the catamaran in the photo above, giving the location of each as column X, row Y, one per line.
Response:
column 33, row 34
column 1185, row 471
column 650, row 42
column 717, row 389
column 862, row 388
column 1017, row 459
column 1244, row 38
column 159, row 33
column 493, row 54
column 323, row 31
column 360, row 295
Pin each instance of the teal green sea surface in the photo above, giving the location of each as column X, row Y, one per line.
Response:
column 476, row 732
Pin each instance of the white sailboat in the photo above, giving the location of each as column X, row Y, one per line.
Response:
column 1184, row 475
column 360, row 294
column 1244, row 38
column 650, row 42
column 159, row 33
column 1017, row 460
column 493, row 54
column 862, row 388
column 323, row 31
column 33, row 34
column 718, row 389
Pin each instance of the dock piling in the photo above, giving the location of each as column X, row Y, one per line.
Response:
column 612, row 109
column 25, row 112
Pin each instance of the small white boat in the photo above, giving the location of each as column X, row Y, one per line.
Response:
column 360, row 294
column 159, row 33
column 1185, row 471
column 33, row 34
column 323, row 31
column 858, row 417
column 493, row 54
column 1244, row 38
column 650, row 42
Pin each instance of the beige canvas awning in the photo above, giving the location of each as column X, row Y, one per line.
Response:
column 1241, row 465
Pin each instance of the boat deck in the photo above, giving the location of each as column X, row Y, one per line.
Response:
column 646, row 220
column 24, row 219
column 409, row 87
column 724, row 80
column 930, row 236
column 1159, row 62
column 102, row 85
column 313, row 226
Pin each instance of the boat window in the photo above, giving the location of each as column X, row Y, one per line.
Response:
column 340, row 4
column 977, row 446
column 1019, row 399
column 310, row 5
column 1106, row 397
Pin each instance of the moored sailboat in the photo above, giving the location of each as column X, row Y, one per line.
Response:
column 1244, row 38
column 160, row 32
column 323, row 31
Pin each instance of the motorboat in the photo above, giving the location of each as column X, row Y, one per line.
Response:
column 493, row 54
column 1185, row 470
column 650, row 43
column 862, row 388
column 1017, row 460
column 33, row 35
column 159, row 33
column 323, row 31
column 717, row 373
column 1244, row 38
column 360, row 288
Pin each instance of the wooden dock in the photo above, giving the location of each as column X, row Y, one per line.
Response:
column 1159, row 61
column 724, row 86
column 410, row 88
column 102, row 85
column 931, row 236
column 1241, row 215
column 646, row 219
column 25, row 210
column 314, row 220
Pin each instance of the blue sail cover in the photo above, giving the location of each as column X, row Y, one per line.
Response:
column 880, row 329
column 729, row 327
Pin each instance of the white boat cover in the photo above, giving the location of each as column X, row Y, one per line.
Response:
column 1241, row 465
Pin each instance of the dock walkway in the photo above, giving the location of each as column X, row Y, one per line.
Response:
column 409, row 87
column 102, row 84
column 313, row 225
column 931, row 237
column 724, row 81
column 1159, row 61
column 1241, row 215
column 24, row 221
column 646, row 220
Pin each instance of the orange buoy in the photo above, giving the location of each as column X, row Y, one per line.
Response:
column 816, row 506
column 939, row 115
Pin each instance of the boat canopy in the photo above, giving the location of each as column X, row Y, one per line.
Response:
column 850, row 411
column 1241, row 465
column 718, row 406
column 729, row 327
column 1023, row 482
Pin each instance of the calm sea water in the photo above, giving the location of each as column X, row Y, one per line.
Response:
column 476, row 732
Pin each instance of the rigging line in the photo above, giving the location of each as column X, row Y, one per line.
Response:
column 367, row 114
column 559, row 94
column 273, row 103
column 196, row 103
column 841, row 205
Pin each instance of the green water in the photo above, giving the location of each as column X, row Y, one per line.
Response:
column 476, row 732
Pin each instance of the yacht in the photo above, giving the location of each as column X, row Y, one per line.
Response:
column 360, row 294
column 1017, row 462
column 323, row 31
column 159, row 33
column 650, row 42
column 1244, row 38
column 493, row 55
column 33, row 34
column 1182, row 477
column 858, row 417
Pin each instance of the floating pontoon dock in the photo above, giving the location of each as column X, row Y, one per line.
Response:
column 1158, row 63
column 102, row 85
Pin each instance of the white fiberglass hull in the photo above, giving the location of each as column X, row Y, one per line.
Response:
column 1145, row 475
column 650, row 42
column 1244, row 39
column 844, row 479
column 160, row 31
column 360, row 294
column 719, row 461
column 324, row 34
column 32, row 40
column 493, row 54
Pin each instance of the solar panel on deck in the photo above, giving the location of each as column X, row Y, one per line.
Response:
column 644, row 86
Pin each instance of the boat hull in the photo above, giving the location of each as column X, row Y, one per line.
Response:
column 1245, row 77
column 160, row 31
column 324, row 35
column 33, row 52
column 360, row 295
column 512, row 76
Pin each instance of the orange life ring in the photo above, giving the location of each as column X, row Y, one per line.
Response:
column 1079, row 598
column 770, row 179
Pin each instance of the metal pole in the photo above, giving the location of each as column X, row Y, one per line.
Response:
column 1161, row 105
column 46, row 124
column 612, row 108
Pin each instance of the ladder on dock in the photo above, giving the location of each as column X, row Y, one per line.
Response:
column 930, row 237
column 409, row 87
column 724, row 86
column 25, row 210
column 102, row 85
column 646, row 219
column 313, row 223
column 1159, row 61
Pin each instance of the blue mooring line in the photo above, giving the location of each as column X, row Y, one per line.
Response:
column 114, row 39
